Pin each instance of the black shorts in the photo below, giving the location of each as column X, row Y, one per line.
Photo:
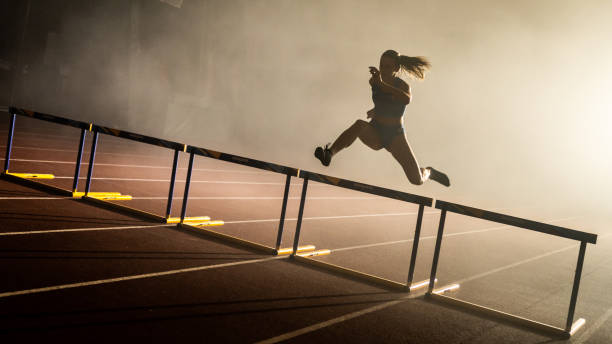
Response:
column 387, row 132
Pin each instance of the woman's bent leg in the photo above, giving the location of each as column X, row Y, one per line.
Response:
column 362, row 129
column 401, row 151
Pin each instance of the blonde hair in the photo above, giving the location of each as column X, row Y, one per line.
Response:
column 416, row 66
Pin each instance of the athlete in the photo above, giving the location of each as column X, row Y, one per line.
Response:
column 385, row 130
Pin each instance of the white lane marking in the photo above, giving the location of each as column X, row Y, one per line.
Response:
column 329, row 217
column 339, row 319
column 84, row 229
column 410, row 240
column 41, row 135
column 509, row 266
column 356, row 314
column 177, row 181
column 590, row 330
column 257, row 198
column 32, row 198
column 202, row 198
column 74, row 151
column 138, row 166
column 134, row 277
column 433, row 236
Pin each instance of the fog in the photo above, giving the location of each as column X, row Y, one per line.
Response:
column 515, row 108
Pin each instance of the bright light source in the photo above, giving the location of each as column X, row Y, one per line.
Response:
column 446, row 289
column 577, row 325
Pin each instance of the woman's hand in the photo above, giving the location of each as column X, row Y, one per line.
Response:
column 371, row 113
column 375, row 79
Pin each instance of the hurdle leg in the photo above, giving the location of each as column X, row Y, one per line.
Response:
column 77, row 169
column 434, row 265
column 172, row 180
column 9, row 143
column 296, row 238
column 574, row 298
column 92, row 157
column 283, row 210
column 415, row 246
column 187, row 184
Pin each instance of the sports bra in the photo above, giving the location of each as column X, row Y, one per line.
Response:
column 384, row 104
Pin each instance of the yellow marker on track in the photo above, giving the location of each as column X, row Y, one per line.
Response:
column 95, row 194
column 32, row 175
column 314, row 253
column 113, row 197
column 289, row 250
column 208, row 223
column 188, row 219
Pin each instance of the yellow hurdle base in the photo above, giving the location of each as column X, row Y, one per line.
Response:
column 32, row 175
column 315, row 253
column 105, row 196
column 95, row 194
column 189, row 220
column 207, row 223
column 289, row 250
column 113, row 197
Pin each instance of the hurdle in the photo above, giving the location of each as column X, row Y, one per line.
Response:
column 421, row 201
column 571, row 327
column 29, row 179
column 106, row 201
column 287, row 171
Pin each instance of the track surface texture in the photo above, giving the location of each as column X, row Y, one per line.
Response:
column 75, row 272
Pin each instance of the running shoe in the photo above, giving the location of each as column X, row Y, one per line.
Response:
column 438, row 176
column 323, row 154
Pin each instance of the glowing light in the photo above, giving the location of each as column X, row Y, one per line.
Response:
column 577, row 325
column 289, row 250
column 315, row 253
column 446, row 289
column 188, row 219
column 421, row 284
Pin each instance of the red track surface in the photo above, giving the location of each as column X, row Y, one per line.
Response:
column 511, row 269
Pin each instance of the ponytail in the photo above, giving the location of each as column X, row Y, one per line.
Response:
column 416, row 66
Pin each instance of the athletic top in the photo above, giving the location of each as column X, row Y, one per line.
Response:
column 384, row 104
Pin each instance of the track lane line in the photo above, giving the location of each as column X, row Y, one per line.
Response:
column 136, row 166
column 34, row 198
column 135, row 277
column 590, row 330
column 84, row 229
column 372, row 309
column 178, row 181
column 328, row 217
column 496, row 228
column 339, row 319
column 199, row 198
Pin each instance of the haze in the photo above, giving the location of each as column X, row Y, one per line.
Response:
column 515, row 108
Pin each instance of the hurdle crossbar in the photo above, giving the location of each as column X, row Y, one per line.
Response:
column 421, row 201
column 13, row 112
column 263, row 165
column 571, row 327
column 176, row 146
column 50, row 118
column 140, row 138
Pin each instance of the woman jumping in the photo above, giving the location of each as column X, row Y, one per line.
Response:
column 385, row 130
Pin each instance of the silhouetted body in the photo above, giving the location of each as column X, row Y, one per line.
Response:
column 390, row 95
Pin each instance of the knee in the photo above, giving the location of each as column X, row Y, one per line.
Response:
column 360, row 124
column 415, row 181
